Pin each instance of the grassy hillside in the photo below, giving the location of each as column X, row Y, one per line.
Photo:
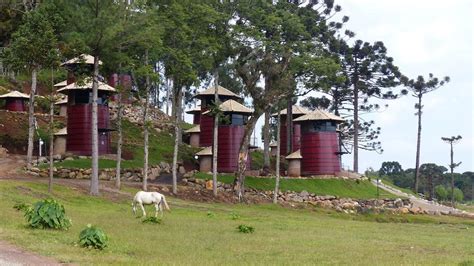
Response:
column 188, row 235
column 161, row 147
column 335, row 187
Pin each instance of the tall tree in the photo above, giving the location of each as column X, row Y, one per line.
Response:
column 370, row 72
column 452, row 140
column 92, row 27
column 33, row 46
column 277, row 166
column 418, row 88
column 431, row 171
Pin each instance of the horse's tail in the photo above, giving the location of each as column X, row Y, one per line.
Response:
column 164, row 202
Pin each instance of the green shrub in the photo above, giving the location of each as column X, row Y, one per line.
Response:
column 458, row 195
column 47, row 213
column 234, row 216
column 245, row 229
column 441, row 192
column 93, row 237
column 152, row 220
column 210, row 214
column 21, row 207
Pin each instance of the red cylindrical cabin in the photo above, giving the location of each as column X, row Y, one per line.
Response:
column 79, row 111
column 15, row 101
column 231, row 133
column 207, row 122
column 196, row 113
column 124, row 80
column 296, row 112
column 320, row 139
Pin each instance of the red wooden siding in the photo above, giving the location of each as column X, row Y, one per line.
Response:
column 15, row 104
column 319, row 151
column 230, row 138
column 207, row 132
column 79, row 123
column 125, row 81
column 296, row 139
column 196, row 118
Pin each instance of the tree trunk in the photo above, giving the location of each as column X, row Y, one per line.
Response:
column 51, row 136
column 145, row 127
column 168, row 97
column 215, row 137
column 243, row 157
column 452, row 175
column 356, row 127
column 94, row 186
column 289, row 126
column 277, row 168
column 31, row 118
column 418, row 146
column 266, row 142
column 177, row 132
column 120, row 136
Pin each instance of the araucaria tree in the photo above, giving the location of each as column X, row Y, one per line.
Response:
column 419, row 87
column 452, row 140
column 369, row 72
column 33, row 46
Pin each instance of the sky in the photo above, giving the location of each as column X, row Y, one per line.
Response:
column 423, row 36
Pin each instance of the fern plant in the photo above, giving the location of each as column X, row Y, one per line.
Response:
column 93, row 237
column 152, row 220
column 47, row 213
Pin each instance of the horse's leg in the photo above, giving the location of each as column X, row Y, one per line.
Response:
column 156, row 208
column 143, row 209
column 134, row 208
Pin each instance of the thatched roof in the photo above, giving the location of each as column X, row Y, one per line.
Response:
column 295, row 155
column 15, row 94
column 295, row 110
column 81, row 59
column 221, row 91
column 319, row 115
column 196, row 129
column 273, row 144
column 87, row 85
column 231, row 106
column 196, row 109
column 61, row 84
column 205, row 152
column 61, row 132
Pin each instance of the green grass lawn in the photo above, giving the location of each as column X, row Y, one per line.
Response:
column 161, row 146
column 335, row 187
column 188, row 235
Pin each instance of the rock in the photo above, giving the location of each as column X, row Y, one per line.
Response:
column 154, row 173
column 188, row 174
column 80, row 175
column 68, row 159
column 398, row 203
column 297, row 198
column 165, row 189
column 35, row 169
column 209, row 185
column 181, row 170
column 403, row 210
column 72, row 174
column 304, row 194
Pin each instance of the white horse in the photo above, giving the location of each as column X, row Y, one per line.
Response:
column 148, row 198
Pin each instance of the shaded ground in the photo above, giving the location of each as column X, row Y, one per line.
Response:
column 11, row 255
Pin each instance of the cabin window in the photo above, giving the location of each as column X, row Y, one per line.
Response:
column 234, row 120
column 82, row 97
column 320, row 126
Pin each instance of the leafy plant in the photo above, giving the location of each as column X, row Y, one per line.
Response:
column 47, row 213
column 210, row 214
column 21, row 206
column 234, row 216
column 93, row 237
column 245, row 229
column 152, row 220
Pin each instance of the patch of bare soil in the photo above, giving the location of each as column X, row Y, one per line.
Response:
column 11, row 255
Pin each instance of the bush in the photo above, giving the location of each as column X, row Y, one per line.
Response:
column 21, row 207
column 47, row 213
column 234, row 216
column 152, row 220
column 441, row 192
column 210, row 214
column 245, row 229
column 458, row 195
column 93, row 237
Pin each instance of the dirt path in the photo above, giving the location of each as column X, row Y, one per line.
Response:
column 11, row 255
column 430, row 206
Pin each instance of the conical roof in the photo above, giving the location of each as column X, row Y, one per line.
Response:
column 60, row 84
column 319, row 115
column 196, row 109
column 87, row 85
column 62, row 101
column 221, row 91
column 205, row 152
column 295, row 155
column 61, row 132
column 231, row 106
column 81, row 59
column 195, row 129
column 295, row 110
column 15, row 94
